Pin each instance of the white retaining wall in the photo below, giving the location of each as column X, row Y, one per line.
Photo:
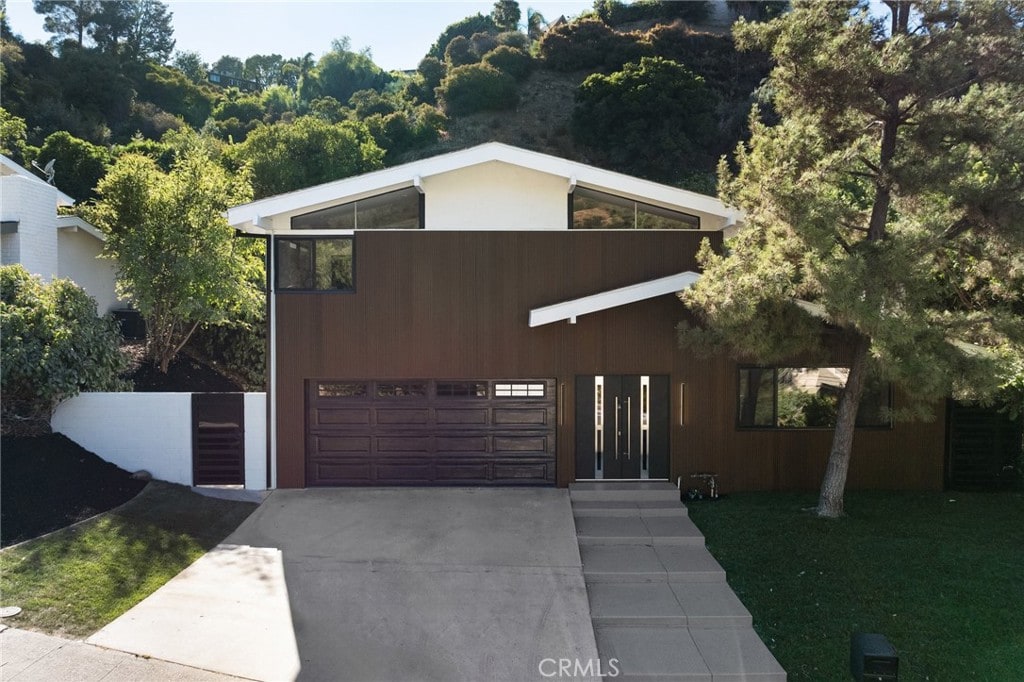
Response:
column 153, row 431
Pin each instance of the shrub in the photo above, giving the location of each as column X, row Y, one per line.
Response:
column 654, row 118
column 515, row 63
column 54, row 346
column 477, row 87
column 478, row 23
column 516, row 39
column 238, row 348
column 615, row 13
column 589, row 44
column 460, row 52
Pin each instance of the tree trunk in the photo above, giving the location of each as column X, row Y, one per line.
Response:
column 833, row 485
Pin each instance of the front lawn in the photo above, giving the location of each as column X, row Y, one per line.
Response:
column 940, row 574
column 77, row 580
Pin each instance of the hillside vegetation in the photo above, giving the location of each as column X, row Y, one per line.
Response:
column 639, row 88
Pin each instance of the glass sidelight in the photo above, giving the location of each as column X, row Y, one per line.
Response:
column 622, row 427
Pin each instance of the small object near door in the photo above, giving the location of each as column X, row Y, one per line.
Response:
column 218, row 439
column 622, row 427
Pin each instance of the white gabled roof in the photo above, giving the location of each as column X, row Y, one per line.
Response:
column 73, row 223
column 8, row 167
column 253, row 217
column 570, row 310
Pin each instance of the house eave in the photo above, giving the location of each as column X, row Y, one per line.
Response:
column 245, row 216
column 613, row 298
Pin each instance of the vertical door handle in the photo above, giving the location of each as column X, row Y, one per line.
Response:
column 629, row 427
column 618, row 434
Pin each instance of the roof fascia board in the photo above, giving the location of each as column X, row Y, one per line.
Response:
column 73, row 222
column 388, row 179
column 569, row 310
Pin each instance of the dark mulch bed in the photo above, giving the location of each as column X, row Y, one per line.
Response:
column 185, row 374
column 48, row 482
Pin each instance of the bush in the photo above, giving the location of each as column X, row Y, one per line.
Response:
column 54, row 346
column 515, row 63
column 589, row 44
column 460, row 52
column 516, row 39
column 615, row 13
column 477, row 87
column 237, row 348
column 654, row 118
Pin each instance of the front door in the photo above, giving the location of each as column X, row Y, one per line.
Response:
column 622, row 426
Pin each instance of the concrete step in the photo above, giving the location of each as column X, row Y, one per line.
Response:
column 649, row 563
column 637, row 530
column 680, row 654
column 629, row 508
column 623, row 491
column 699, row 606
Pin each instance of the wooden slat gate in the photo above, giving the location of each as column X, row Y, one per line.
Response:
column 218, row 439
column 983, row 448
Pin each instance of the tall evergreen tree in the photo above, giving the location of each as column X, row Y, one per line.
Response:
column 506, row 15
column 68, row 18
column 136, row 30
column 889, row 196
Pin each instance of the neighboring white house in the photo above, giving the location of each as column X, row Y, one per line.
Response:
column 48, row 245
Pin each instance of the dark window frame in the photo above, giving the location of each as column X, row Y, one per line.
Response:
column 278, row 289
column 681, row 217
column 421, row 207
column 775, row 369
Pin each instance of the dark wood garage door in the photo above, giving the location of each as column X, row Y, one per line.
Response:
column 436, row 432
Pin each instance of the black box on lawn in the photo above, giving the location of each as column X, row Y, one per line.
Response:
column 873, row 658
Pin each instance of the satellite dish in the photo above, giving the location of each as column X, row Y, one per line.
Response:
column 46, row 170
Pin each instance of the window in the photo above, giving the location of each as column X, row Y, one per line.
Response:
column 804, row 398
column 461, row 389
column 310, row 264
column 399, row 210
column 409, row 389
column 592, row 210
column 341, row 389
column 523, row 390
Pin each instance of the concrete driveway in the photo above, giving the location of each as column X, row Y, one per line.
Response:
column 394, row 584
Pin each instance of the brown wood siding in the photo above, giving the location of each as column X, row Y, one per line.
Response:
column 456, row 305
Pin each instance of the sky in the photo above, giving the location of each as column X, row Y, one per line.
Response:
column 397, row 33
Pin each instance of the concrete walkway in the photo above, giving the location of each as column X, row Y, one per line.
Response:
column 32, row 657
column 660, row 605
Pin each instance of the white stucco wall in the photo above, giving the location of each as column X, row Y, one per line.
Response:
column 34, row 206
column 153, row 431
column 78, row 260
column 496, row 196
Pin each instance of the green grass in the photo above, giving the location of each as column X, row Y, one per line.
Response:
column 940, row 574
column 78, row 579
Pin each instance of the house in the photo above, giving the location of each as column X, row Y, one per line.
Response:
column 497, row 316
column 48, row 244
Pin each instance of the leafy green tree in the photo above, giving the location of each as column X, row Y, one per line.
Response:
column 328, row 152
column 477, row 87
column 653, row 118
column 173, row 91
column 68, row 18
column 428, row 76
column 478, row 23
column 889, row 195
column 263, row 69
column 13, row 135
column 228, row 66
column 342, row 72
column 506, row 15
column 135, row 30
column 178, row 260
column 55, row 346
column 192, row 65
column 79, row 164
